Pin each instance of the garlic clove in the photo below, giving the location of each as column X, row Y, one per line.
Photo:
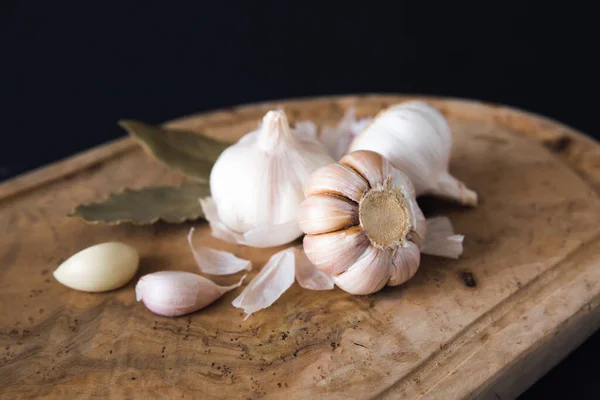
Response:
column 337, row 139
column 216, row 262
column 337, row 179
column 370, row 165
column 405, row 264
column 369, row 273
column 441, row 240
column 308, row 275
column 99, row 268
column 218, row 229
column 271, row 282
column 175, row 293
column 323, row 214
column 335, row 252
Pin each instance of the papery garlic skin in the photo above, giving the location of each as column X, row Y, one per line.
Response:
column 99, row 268
column 257, row 183
column 384, row 223
column 175, row 293
column 337, row 139
column 415, row 137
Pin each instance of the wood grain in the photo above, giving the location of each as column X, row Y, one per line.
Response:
column 524, row 294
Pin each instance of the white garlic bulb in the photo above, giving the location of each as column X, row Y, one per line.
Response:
column 175, row 293
column 257, row 183
column 99, row 268
column 416, row 139
column 363, row 223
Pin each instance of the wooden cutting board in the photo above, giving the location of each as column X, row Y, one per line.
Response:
column 524, row 293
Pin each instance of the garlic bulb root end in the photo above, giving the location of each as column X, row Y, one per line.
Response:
column 384, row 218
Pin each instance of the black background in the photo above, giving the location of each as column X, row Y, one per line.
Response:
column 71, row 69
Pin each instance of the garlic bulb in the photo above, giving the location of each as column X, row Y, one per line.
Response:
column 416, row 139
column 99, row 268
column 363, row 223
column 174, row 293
column 257, row 183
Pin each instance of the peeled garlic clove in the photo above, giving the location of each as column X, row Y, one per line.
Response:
column 335, row 252
column 416, row 139
column 322, row 214
column 337, row 179
column 271, row 282
column 99, row 268
column 405, row 264
column 308, row 275
column 338, row 138
column 369, row 273
column 216, row 262
column 441, row 240
column 175, row 293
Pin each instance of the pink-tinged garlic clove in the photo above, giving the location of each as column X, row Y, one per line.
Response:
column 369, row 273
column 405, row 263
column 322, row 214
column 175, row 293
column 337, row 179
column 370, row 165
column 334, row 252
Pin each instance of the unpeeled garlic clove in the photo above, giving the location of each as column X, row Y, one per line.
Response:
column 368, row 274
column 175, row 293
column 335, row 252
column 337, row 179
column 405, row 264
column 416, row 139
column 99, row 268
column 322, row 214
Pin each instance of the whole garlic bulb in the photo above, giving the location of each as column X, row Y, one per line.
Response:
column 362, row 223
column 257, row 183
column 416, row 139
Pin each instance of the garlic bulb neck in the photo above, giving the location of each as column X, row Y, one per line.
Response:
column 451, row 188
column 273, row 130
column 384, row 217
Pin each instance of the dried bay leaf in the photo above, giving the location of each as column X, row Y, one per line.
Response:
column 144, row 206
column 190, row 153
